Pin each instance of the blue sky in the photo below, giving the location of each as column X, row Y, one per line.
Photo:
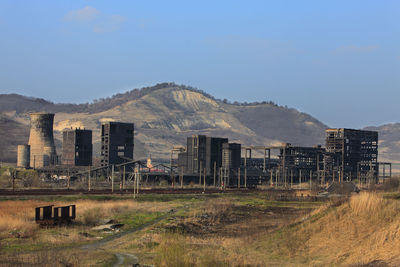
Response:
column 336, row 60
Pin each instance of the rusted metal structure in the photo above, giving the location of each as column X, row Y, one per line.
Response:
column 77, row 148
column 117, row 142
column 41, row 140
column 23, row 156
column 354, row 153
column 297, row 160
column 50, row 215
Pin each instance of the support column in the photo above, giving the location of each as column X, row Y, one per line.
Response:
column 204, row 185
column 215, row 169
column 89, row 179
column 112, row 178
column 124, row 180
column 238, row 177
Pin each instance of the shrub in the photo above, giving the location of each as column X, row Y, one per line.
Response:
column 173, row 252
column 92, row 216
column 391, row 184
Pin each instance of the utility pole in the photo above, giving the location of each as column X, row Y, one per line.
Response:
column 112, row 178
column 13, row 174
column 291, row 177
column 220, row 177
column 204, row 182
column 134, row 184
column 318, row 181
column 238, row 177
column 200, row 173
column 89, row 179
column 181, row 177
column 124, row 180
column 69, row 179
column 245, row 168
column 300, row 178
column 138, row 181
column 270, row 180
column 215, row 169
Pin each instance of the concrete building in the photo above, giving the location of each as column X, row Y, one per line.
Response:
column 117, row 142
column 202, row 152
column 77, row 148
column 355, row 152
column 41, row 140
column 231, row 155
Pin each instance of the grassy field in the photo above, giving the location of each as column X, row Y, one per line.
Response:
column 249, row 229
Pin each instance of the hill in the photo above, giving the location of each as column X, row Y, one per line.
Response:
column 164, row 115
column 389, row 141
column 12, row 133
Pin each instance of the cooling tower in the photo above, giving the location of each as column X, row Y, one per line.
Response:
column 23, row 156
column 41, row 140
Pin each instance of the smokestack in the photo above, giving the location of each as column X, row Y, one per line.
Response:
column 23, row 156
column 41, row 140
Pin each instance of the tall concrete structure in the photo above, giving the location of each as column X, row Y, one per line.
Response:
column 23, row 156
column 77, row 147
column 41, row 140
column 202, row 152
column 231, row 155
column 116, row 142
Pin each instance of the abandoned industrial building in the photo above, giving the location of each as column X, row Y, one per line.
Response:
column 348, row 155
column 354, row 152
column 202, row 155
column 117, row 142
column 77, row 148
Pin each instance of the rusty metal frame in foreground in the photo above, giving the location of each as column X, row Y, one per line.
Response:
column 50, row 215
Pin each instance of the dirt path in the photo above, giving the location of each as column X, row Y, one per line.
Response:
column 125, row 259
column 108, row 239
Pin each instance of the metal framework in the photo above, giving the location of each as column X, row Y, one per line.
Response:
column 354, row 152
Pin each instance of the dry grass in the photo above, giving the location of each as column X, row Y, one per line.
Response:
column 17, row 218
column 360, row 231
column 344, row 232
column 227, row 236
column 41, row 258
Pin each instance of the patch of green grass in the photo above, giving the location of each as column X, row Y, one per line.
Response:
column 392, row 195
column 263, row 201
column 69, row 198
column 170, row 198
column 108, row 261
column 189, row 198
column 138, row 219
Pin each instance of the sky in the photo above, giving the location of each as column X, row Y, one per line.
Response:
column 336, row 60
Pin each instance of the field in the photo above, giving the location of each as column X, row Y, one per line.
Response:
column 230, row 229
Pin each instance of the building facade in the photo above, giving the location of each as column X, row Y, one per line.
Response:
column 77, row 148
column 202, row 153
column 355, row 152
column 117, row 142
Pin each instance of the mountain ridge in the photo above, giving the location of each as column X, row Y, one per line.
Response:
column 21, row 103
column 165, row 114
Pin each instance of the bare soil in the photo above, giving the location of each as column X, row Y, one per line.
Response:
column 236, row 221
